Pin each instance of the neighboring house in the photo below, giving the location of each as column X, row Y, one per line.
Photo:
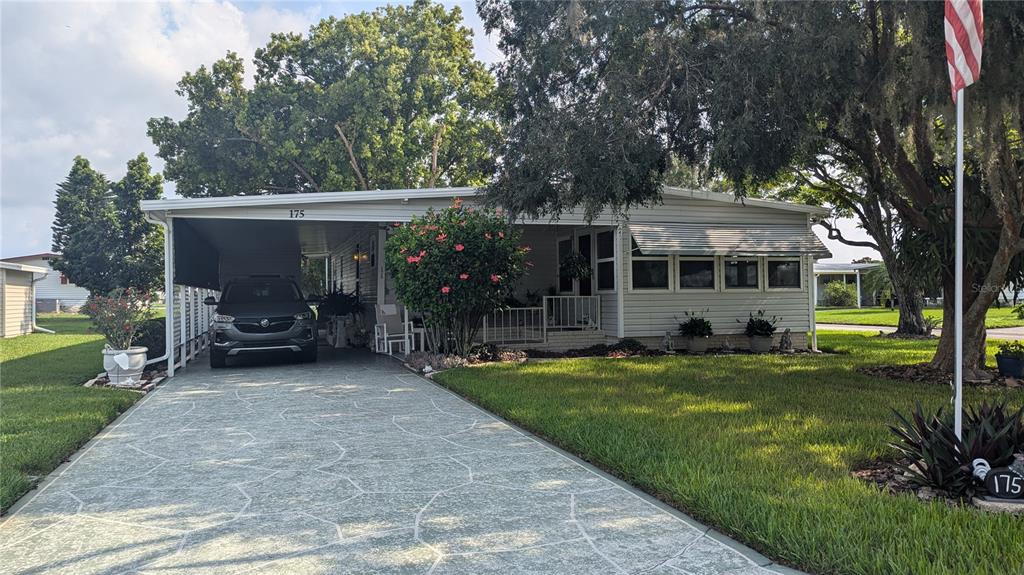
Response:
column 850, row 274
column 696, row 251
column 54, row 292
column 16, row 298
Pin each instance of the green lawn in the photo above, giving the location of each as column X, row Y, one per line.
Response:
column 45, row 413
column 761, row 447
column 997, row 317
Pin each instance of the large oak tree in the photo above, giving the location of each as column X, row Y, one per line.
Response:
column 755, row 91
column 392, row 98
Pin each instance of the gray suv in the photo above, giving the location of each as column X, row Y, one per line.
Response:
column 260, row 314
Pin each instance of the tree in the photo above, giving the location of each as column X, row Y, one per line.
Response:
column 456, row 266
column 386, row 99
column 753, row 90
column 99, row 229
column 81, row 225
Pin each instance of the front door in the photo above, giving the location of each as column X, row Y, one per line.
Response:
column 586, row 285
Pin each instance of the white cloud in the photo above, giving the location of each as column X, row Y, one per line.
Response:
column 83, row 79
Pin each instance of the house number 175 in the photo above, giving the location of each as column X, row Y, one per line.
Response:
column 296, row 214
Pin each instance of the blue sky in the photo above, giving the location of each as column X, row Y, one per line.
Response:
column 83, row 78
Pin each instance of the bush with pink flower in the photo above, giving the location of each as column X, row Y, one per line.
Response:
column 455, row 266
column 119, row 315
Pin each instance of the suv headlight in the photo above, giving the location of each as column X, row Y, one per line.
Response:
column 221, row 318
column 303, row 315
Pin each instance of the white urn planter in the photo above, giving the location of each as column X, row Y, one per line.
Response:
column 125, row 366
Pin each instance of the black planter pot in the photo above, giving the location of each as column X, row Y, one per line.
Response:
column 1010, row 366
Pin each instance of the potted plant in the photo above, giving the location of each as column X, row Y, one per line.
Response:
column 696, row 329
column 1010, row 359
column 760, row 331
column 576, row 266
column 118, row 317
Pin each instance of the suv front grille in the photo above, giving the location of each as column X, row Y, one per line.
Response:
column 277, row 324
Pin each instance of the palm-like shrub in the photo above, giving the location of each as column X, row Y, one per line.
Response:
column 455, row 266
column 759, row 325
column 939, row 460
column 695, row 325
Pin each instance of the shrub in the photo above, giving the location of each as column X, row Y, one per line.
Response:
column 758, row 325
column 695, row 326
column 839, row 294
column 1012, row 349
column 941, row 461
column 118, row 315
column 152, row 335
column 455, row 266
column 628, row 346
column 437, row 361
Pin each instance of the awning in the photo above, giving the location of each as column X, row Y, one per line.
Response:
column 717, row 240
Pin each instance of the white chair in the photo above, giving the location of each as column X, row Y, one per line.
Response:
column 391, row 330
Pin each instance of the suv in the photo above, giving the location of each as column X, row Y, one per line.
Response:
column 261, row 314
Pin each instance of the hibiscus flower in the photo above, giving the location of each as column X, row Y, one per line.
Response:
column 445, row 289
column 459, row 247
column 495, row 278
column 463, row 276
column 442, row 237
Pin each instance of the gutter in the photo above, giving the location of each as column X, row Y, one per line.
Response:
column 168, row 293
column 35, row 327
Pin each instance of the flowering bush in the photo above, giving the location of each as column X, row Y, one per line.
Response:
column 119, row 316
column 455, row 266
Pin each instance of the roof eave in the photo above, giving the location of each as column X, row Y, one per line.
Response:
column 731, row 199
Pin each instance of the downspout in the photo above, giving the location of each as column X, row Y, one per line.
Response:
column 168, row 355
column 36, row 328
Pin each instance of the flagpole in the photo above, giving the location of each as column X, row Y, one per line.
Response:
column 958, row 330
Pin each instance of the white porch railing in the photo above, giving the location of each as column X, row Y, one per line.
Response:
column 532, row 324
column 191, row 323
column 514, row 325
column 570, row 312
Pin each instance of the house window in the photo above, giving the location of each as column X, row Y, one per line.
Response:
column 606, row 261
column 648, row 272
column 784, row 274
column 742, row 274
column 696, row 273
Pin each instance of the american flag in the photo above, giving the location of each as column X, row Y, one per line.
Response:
column 964, row 36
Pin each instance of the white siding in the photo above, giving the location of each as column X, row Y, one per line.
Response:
column 17, row 303
column 50, row 288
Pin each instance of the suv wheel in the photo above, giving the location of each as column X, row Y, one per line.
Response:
column 218, row 359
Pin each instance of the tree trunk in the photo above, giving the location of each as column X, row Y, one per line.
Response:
column 911, row 305
column 974, row 329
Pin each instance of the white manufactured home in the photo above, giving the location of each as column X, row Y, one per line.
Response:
column 696, row 251
column 54, row 291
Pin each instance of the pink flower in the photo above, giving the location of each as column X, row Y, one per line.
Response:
column 495, row 278
column 442, row 237
column 501, row 235
column 445, row 289
column 423, row 253
column 463, row 276
column 459, row 247
column 413, row 259
column 487, row 235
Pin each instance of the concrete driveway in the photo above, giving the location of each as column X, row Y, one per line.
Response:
column 351, row 465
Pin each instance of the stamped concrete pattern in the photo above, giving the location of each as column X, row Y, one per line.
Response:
column 351, row 465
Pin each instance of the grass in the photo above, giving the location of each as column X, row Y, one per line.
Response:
column 45, row 413
column 996, row 317
column 761, row 447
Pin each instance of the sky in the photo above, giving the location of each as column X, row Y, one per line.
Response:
column 81, row 78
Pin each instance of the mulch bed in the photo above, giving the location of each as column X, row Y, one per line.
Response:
column 925, row 373
column 889, row 478
column 150, row 379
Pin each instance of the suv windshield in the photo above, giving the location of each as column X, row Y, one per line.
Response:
column 256, row 291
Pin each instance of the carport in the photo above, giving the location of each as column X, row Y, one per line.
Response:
column 211, row 240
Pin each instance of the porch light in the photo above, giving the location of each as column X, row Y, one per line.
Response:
column 360, row 256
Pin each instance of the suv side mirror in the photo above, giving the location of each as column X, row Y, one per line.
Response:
column 210, row 300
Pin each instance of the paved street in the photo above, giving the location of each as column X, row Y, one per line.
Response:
column 351, row 465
